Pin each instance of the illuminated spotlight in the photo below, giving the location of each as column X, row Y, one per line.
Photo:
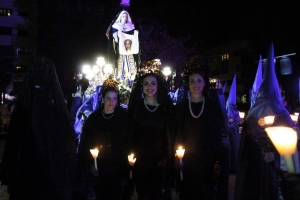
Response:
column 166, row 71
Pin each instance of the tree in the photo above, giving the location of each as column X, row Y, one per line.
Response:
column 156, row 43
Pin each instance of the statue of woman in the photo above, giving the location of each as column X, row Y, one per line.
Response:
column 122, row 33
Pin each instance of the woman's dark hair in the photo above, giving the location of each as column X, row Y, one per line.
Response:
column 195, row 71
column 110, row 85
column 104, row 91
column 138, row 88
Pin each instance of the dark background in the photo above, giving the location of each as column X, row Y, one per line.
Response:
column 72, row 32
column 75, row 30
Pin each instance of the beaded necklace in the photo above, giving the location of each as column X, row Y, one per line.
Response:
column 149, row 108
column 107, row 117
column 191, row 111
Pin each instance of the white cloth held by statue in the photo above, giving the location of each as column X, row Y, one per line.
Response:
column 128, row 44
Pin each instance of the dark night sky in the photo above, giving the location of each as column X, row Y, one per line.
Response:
column 211, row 23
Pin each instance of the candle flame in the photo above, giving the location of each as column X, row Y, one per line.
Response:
column 294, row 118
column 269, row 120
column 283, row 138
column 94, row 152
column 242, row 115
column 180, row 152
column 131, row 160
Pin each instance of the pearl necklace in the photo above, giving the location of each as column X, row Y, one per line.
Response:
column 191, row 111
column 150, row 109
column 106, row 117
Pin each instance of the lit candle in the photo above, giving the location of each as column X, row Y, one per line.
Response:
column 180, row 154
column 94, row 153
column 242, row 115
column 285, row 141
column 269, row 120
column 131, row 161
column 294, row 118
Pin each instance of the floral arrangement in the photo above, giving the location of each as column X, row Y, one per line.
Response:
column 125, row 86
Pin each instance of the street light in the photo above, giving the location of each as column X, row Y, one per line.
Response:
column 167, row 71
column 108, row 70
column 90, row 75
column 95, row 74
column 100, row 61
column 96, row 69
column 86, row 69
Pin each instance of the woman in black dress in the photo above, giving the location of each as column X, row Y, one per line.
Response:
column 150, row 138
column 39, row 156
column 197, row 130
column 103, row 130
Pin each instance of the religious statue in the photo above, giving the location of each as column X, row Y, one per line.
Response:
column 123, row 48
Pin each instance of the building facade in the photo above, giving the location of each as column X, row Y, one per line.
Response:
column 16, row 45
column 241, row 57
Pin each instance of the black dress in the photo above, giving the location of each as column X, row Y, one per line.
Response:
column 39, row 156
column 201, row 139
column 150, row 142
column 104, row 132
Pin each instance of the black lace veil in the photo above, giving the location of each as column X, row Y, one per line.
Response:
column 39, row 156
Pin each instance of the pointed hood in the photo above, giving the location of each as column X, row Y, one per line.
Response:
column 219, row 84
column 232, row 93
column 268, row 102
column 232, row 112
column 269, row 87
column 257, row 82
column 224, row 87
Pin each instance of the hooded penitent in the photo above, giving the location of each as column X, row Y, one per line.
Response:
column 256, row 178
column 221, row 97
column 219, row 84
column 224, row 87
column 268, row 101
column 232, row 112
column 233, row 123
column 257, row 82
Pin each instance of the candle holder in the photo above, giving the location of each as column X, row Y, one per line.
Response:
column 95, row 153
column 180, row 154
column 131, row 161
column 285, row 141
